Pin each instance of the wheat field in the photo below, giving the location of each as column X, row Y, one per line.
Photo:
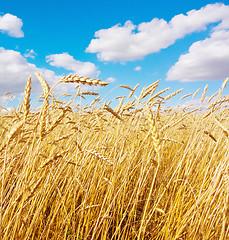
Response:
column 136, row 170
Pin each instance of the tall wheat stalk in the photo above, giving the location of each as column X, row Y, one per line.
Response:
column 157, row 146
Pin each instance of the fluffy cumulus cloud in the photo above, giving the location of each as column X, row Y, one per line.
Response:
column 11, row 25
column 131, row 42
column 138, row 68
column 30, row 54
column 67, row 61
column 206, row 60
column 15, row 69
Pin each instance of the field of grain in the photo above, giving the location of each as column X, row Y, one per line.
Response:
column 138, row 170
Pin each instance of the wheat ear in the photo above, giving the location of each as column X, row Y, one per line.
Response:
column 185, row 96
column 149, row 90
column 44, row 109
column 204, row 93
column 83, row 80
column 124, row 86
column 212, row 96
column 195, row 93
column 44, row 84
column 173, row 94
column 26, row 102
column 109, row 109
column 89, row 93
column 225, row 83
column 158, row 94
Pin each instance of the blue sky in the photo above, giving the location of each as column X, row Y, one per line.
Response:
column 183, row 43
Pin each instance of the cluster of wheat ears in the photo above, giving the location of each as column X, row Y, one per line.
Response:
column 139, row 170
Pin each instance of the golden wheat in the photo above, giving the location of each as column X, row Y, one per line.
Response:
column 83, row 80
column 89, row 93
column 224, row 84
column 195, row 92
column 154, row 131
column 132, row 92
column 204, row 93
column 173, row 94
column 185, row 96
column 44, row 84
column 109, row 109
column 158, row 173
column 26, row 101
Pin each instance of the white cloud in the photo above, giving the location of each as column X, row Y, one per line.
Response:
column 15, row 70
column 196, row 103
column 138, row 68
column 206, row 60
column 30, row 54
column 111, row 79
column 11, row 25
column 130, row 42
column 86, row 69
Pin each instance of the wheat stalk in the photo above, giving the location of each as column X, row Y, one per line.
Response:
column 124, row 86
column 157, row 143
column 154, row 131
